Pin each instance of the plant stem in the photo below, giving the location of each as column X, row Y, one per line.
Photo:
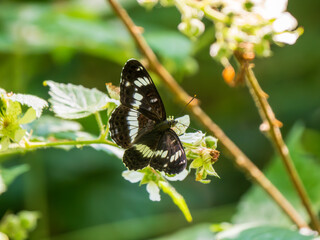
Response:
column 275, row 137
column 240, row 159
column 31, row 146
column 99, row 121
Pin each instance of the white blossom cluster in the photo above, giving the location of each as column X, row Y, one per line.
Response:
column 258, row 22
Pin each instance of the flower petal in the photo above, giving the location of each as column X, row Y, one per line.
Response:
column 192, row 138
column 153, row 191
column 132, row 176
column 178, row 177
column 286, row 37
column 284, row 23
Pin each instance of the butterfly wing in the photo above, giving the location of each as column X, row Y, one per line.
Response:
column 141, row 106
column 138, row 91
column 163, row 151
column 142, row 152
column 127, row 125
column 169, row 156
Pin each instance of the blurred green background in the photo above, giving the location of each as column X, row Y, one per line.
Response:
column 80, row 193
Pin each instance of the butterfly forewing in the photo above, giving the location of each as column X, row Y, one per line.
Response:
column 169, row 155
column 138, row 91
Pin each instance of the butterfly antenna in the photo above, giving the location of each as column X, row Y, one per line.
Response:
column 185, row 106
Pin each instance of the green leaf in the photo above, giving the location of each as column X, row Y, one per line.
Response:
column 28, row 117
column 18, row 134
column 198, row 162
column 177, row 199
column 9, row 174
column 38, row 104
column 199, row 231
column 251, row 232
column 3, row 186
column 13, row 109
column 50, row 126
column 210, row 170
column 71, row 102
column 256, row 205
column 4, row 143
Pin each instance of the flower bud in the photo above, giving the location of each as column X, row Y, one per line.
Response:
column 192, row 27
column 148, row 4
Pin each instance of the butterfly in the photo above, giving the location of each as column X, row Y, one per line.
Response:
column 139, row 124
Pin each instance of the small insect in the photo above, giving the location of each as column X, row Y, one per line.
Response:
column 139, row 124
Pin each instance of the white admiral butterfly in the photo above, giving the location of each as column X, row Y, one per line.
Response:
column 139, row 124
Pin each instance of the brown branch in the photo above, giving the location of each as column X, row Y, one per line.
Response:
column 240, row 159
column 272, row 126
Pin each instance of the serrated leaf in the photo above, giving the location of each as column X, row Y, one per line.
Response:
column 252, row 232
column 48, row 125
column 72, row 102
column 38, row 104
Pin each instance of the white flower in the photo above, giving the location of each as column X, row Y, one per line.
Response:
column 214, row 49
column 3, row 187
column 307, row 232
column 192, row 27
column 269, row 9
column 3, row 236
column 178, row 177
column 284, row 23
column 182, row 124
column 154, row 191
column 132, row 176
column 286, row 37
column 148, row 3
column 192, row 138
column 233, row 6
column 152, row 187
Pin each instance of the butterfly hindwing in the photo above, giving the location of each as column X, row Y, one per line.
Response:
column 169, row 155
column 138, row 91
column 140, row 154
column 163, row 151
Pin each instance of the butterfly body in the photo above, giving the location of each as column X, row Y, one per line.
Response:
column 139, row 124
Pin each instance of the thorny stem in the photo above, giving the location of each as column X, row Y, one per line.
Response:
column 240, row 159
column 272, row 127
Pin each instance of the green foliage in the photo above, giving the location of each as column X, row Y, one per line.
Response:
column 72, row 102
column 252, row 232
column 10, row 173
column 12, row 116
column 256, row 206
column 18, row 226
